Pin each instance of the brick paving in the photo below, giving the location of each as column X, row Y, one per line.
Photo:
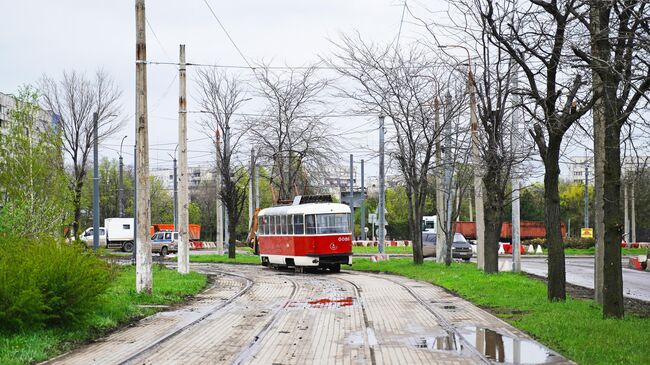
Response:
column 265, row 316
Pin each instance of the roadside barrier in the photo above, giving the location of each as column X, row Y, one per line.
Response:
column 379, row 257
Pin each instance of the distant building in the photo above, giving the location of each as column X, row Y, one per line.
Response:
column 44, row 118
column 196, row 176
column 580, row 165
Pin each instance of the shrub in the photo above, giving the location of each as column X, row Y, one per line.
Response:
column 571, row 242
column 577, row 242
column 47, row 282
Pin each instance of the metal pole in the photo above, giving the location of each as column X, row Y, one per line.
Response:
column 95, row 184
column 586, row 193
column 144, row 275
column 352, row 194
column 175, row 194
column 626, row 216
column 183, row 195
column 251, row 184
column 633, row 212
column 120, row 198
column 363, row 205
column 516, row 218
column 382, row 203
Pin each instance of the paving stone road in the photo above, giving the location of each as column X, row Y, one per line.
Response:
column 255, row 315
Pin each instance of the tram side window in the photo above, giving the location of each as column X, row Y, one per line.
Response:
column 283, row 224
column 263, row 225
column 333, row 223
column 298, row 225
column 310, row 224
column 278, row 225
column 271, row 224
column 290, row 224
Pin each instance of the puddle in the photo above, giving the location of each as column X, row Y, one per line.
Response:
column 449, row 342
column 324, row 303
column 501, row 348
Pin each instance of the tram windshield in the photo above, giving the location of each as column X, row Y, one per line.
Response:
column 333, row 223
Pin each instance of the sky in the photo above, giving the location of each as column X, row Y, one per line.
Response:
column 48, row 37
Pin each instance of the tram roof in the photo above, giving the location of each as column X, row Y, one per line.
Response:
column 310, row 208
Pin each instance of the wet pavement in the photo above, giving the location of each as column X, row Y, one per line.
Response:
column 255, row 315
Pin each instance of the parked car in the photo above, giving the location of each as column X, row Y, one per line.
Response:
column 164, row 242
column 460, row 248
column 87, row 237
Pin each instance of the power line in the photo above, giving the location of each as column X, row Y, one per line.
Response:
column 254, row 68
column 228, row 34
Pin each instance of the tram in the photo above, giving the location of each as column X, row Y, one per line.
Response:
column 305, row 235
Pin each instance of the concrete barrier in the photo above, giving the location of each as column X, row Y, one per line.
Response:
column 379, row 257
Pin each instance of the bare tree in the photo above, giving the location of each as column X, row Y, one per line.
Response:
column 401, row 84
column 221, row 96
column 74, row 98
column 619, row 35
column 293, row 138
column 534, row 35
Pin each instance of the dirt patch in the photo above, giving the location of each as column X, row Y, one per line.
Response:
column 636, row 306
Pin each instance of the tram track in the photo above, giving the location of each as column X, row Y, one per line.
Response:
column 165, row 338
column 357, row 291
column 441, row 320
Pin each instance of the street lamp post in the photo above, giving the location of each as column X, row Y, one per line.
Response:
column 478, row 184
column 120, row 197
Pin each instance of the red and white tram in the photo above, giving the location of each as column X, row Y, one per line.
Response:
column 305, row 235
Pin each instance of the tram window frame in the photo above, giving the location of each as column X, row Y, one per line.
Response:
column 278, row 225
column 310, row 227
column 290, row 224
column 283, row 224
column 271, row 225
column 298, row 224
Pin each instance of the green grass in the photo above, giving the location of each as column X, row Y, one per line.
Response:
column 574, row 328
column 118, row 305
column 592, row 251
column 387, row 249
column 239, row 259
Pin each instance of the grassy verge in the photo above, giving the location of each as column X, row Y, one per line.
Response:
column 574, row 328
column 118, row 305
column 387, row 249
column 592, row 251
column 239, row 259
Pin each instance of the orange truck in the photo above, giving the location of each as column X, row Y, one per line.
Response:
column 195, row 230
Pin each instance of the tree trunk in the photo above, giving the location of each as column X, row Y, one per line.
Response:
column 232, row 226
column 556, row 269
column 612, row 271
column 492, row 216
column 415, row 223
column 77, row 210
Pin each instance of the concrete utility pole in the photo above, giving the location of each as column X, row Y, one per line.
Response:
column 120, row 196
column 257, row 186
column 231, row 245
column 143, row 273
column 476, row 158
column 586, row 210
column 382, row 197
column 135, row 201
column 95, row 183
column 175, row 190
column 219, row 217
column 449, row 196
column 363, row 206
column 440, row 203
column 183, row 196
column 516, row 218
column 352, row 194
column 251, row 193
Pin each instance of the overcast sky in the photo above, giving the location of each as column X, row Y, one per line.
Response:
column 47, row 37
